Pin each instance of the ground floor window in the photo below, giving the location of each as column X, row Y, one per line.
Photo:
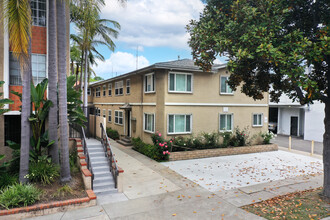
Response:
column 226, row 122
column 149, row 122
column 104, row 113
column 119, row 117
column 257, row 120
column 109, row 116
column 179, row 123
column 13, row 128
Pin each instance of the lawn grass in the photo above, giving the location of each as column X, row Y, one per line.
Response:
column 301, row 205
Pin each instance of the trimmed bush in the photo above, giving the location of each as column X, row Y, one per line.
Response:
column 155, row 152
column 18, row 195
column 113, row 134
column 43, row 171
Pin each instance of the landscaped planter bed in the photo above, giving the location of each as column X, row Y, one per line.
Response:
column 195, row 154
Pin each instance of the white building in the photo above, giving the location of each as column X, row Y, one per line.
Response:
column 296, row 120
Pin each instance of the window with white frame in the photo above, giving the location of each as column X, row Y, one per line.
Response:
column 104, row 113
column 224, row 87
column 93, row 92
column 110, row 89
column 149, row 83
column 257, row 120
column 98, row 91
column 119, row 117
column 38, row 12
column 180, row 82
column 226, row 122
column 119, row 90
column 149, row 122
column 89, row 91
column 128, row 86
column 109, row 116
column 179, row 124
column 104, row 90
column 98, row 112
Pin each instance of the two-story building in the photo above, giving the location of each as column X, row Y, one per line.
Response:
column 175, row 98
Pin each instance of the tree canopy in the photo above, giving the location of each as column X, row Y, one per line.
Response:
column 270, row 45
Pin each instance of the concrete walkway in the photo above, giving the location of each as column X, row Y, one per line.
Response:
column 153, row 191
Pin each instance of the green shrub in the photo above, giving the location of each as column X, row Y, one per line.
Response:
column 7, row 179
column 226, row 139
column 211, row 140
column 43, row 171
column 267, row 137
column 239, row 138
column 18, row 195
column 113, row 134
column 73, row 161
column 64, row 190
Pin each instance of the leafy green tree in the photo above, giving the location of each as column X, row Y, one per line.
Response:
column 270, row 44
column 4, row 102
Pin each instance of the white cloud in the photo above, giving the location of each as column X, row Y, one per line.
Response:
column 154, row 22
column 119, row 63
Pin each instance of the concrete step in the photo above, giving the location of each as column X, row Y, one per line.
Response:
column 95, row 150
column 124, row 143
column 92, row 147
column 103, row 179
column 106, row 192
column 96, row 164
column 98, row 158
column 97, row 154
column 104, row 185
column 101, row 169
column 102, row 174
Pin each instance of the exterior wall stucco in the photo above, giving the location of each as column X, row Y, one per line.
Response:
column 314, row 125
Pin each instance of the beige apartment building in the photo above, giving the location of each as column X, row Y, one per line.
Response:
column 175, row 98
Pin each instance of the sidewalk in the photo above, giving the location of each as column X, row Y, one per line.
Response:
column 154, row 191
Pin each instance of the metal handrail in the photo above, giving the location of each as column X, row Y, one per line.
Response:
column 88, row 161
column 111, row 158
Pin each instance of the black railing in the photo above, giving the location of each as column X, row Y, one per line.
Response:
column 88, row 161
column 111, row 158
column 74, row 131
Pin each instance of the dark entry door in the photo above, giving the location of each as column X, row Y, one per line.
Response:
column 294, row 126
column 128, row 123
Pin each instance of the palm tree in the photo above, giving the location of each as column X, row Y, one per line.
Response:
column 17, row 15
column 62, row 93
column 52, row 76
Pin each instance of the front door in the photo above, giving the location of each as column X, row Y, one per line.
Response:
column 294, row 126
column 128, row 123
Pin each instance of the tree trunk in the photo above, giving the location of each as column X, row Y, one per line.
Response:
column 77, row 73
column 63, row 112
column 25, row 124
column 52, row 81
column 81, row 74
column 85, row 83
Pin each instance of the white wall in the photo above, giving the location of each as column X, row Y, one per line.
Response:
column 285, row 119
column 314, row 125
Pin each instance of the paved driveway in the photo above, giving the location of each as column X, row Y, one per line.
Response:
column 298, row 144
column 231, row 172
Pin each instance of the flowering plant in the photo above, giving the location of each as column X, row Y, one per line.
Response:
column 267, row 136
column 163, row 146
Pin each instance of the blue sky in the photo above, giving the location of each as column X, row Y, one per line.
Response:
column 156, row 28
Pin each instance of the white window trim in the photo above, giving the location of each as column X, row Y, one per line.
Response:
column 262, row 119
column 110, row 116
column 151, row 132
column 98, row 112
column 119, row 117
column 122, row 87
column 128, row 80
column 225, row 93
column 104, row 90
column 110, row 88
column 98, row 88
column 144, row 83
column 104, row 113
column 232, row 122
column 175, row 73
column 175, row 133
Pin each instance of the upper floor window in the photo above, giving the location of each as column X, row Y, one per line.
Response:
column 98, row 112
column 98, row 91
column 89, row 91
column 179, row 124
column 128, row 86
column 93, row 92
column 119, row 90
column 38, row 69
column 109, row 116
column 180, row 82
column 38, row 8
column 224, row 87
column 149, row 83
column 104, row 90
column 257, row 120
column 226, row 122
column 110, row 89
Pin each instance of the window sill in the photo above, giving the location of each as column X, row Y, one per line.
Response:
column 119, row 95
column 226, row 93
column 180, row 92
column 150, row 92
column 150, row 132
column 257, row 126
column 223, row 131
column 119, row 124
column 179, row 133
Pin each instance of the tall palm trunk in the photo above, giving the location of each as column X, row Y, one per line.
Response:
column 81, row 74
column 85, row 82
column 25, row 114
column 62, row 54
column 52, row 76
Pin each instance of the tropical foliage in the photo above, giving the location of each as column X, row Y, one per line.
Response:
column 4, row 102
